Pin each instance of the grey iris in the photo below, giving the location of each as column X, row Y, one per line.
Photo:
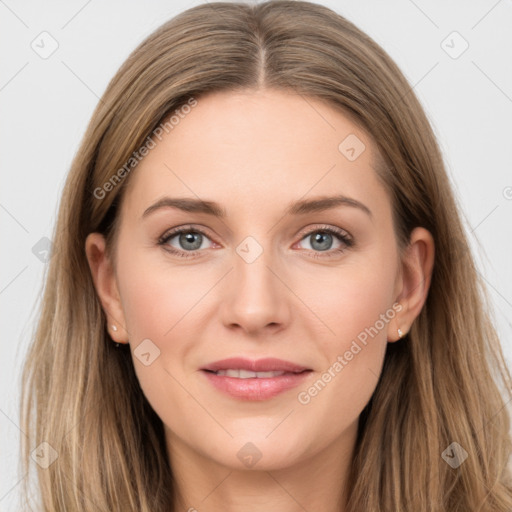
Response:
column 324, row 241
column 189, row 238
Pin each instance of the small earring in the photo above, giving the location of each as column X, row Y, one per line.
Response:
column 117, row 345
column 114, row 328
column 400, row 333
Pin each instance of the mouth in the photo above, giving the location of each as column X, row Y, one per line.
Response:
column 238, row 373
column 264, row 379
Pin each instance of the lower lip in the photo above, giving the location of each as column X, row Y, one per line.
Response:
column 254, row 388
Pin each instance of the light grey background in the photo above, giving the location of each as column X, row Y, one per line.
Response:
column 46, row 104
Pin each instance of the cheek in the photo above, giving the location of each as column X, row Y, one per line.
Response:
column 157, row 305
column 357, row 306
column 155, row 298
column 355, row 298
column 163, row 303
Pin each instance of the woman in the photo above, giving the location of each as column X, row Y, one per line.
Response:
column 322, row 344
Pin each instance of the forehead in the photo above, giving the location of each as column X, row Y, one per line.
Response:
column 252, row 150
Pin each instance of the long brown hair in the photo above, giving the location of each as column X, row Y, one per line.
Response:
column 445, row 383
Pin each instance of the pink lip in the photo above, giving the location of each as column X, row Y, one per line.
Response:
column 269, row 364
column 255, row 388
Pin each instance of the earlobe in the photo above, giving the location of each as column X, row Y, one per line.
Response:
column 105, row 284
column 416, row 272
column 397, row 328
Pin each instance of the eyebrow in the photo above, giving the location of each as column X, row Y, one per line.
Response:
column 300, row 207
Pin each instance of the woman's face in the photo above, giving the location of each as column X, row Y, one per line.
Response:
column 282, row 274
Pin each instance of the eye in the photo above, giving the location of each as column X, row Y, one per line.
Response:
column 181, row 241
column 187, row 241
column 321, row 241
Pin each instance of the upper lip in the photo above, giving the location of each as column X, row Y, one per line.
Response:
column 268, row 364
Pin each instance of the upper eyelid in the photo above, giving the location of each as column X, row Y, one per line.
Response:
column 171, row 233
column 336, row 230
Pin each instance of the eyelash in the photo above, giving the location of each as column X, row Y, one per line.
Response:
column 341, row 235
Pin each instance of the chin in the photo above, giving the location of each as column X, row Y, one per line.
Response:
column 259, row 454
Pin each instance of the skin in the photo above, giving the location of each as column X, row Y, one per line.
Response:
column 254, row 152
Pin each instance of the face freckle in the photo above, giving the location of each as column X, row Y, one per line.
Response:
column 270, row 278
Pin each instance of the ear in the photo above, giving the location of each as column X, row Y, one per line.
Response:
column 414, row 281
column 105, row 283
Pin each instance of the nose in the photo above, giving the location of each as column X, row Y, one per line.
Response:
column 256, row 299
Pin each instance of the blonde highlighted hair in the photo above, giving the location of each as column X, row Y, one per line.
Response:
column 445, row 382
